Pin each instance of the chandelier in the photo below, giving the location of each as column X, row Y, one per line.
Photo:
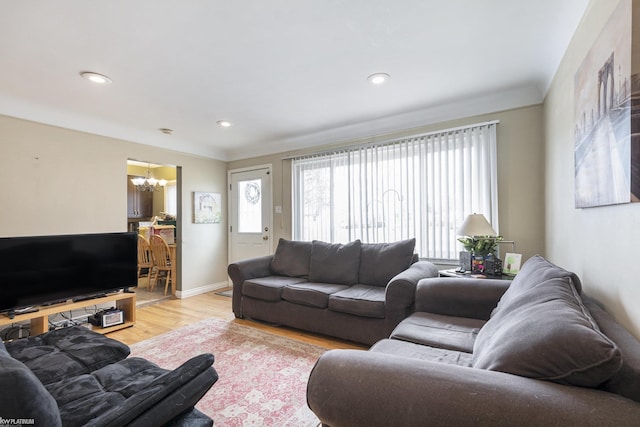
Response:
column 148, row 183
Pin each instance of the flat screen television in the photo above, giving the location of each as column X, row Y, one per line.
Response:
column 38, row 270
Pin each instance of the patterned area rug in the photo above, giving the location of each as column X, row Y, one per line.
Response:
column 263, row 377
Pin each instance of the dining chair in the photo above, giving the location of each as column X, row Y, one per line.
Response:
column 145, row 259
column 162, row 261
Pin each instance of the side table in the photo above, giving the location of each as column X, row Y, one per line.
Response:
column 468, row 275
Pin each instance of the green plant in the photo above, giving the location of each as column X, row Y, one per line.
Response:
column 480, row 245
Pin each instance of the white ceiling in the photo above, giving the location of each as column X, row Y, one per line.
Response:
column 286, row 73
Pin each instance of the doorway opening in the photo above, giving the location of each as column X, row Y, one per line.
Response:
column 154, row 208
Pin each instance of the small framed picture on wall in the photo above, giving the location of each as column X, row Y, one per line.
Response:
column 207, row 208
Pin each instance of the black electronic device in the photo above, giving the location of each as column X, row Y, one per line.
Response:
column 108, row 317
column 36, row 270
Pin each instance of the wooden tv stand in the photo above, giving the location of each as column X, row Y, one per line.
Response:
column 125, row 301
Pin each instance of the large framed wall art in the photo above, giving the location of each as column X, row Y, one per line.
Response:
column 607, row 114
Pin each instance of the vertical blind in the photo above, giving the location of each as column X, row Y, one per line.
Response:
column 421, row 186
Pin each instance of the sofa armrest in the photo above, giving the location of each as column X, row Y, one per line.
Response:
column 460, row 297
column 251, row 268
column 164, row 397
column 362, row 388
column 401, row 290
column 246, row 269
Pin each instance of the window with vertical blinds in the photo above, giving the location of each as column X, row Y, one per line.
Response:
column 421, row 186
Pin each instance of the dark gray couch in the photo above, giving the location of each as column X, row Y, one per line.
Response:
column 355, row 291
column 532, row 352
column 76, row 377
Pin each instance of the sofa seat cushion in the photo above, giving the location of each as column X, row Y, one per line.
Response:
column 66, row 352
column 292, row 258
column 23, row 395
column 547, row 333
column 268, row 288
column 335, row 262
column 381, row 262
column 446, row 332
column 422, row 352
column 360, row 300
column 311, row 293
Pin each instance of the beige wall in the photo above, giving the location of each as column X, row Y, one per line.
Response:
column 600, row 243
column 520, row 176
column 58, row 181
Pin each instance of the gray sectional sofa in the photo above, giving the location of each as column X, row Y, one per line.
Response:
column 355, row 291
column 531, row 352
column 75, row 377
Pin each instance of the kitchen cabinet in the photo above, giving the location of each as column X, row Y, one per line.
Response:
column 139, row 203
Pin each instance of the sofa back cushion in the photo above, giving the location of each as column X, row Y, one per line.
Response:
column 535, row 271
column 292, row 258
column 23, row 395
column 335, row 262
column 381, row 262
column 626, row 381
column 547, row 333
column 66, row 352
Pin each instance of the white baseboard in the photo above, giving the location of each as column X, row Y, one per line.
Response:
column 201, row 290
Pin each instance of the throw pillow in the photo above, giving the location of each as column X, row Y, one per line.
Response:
column 292, row 258
column 380, row 262
column 547, row 333
column 335, row 262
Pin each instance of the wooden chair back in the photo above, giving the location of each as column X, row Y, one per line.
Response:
column 145, row 259
column 160, row 251
column 162, row 260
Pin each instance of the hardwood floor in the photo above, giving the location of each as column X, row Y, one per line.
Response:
column 167, row 315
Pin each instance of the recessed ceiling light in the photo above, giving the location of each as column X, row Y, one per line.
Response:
column 96, row 78
column 224, row 123
column 378, row 78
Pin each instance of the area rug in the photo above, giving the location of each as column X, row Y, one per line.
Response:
column 263, row 377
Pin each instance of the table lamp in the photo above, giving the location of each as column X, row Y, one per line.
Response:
column 479, row 240
column 476, row 225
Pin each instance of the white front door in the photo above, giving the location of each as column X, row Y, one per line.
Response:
column 250, row 213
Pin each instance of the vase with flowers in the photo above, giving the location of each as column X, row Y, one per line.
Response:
column 481, row 251
column 480, row 245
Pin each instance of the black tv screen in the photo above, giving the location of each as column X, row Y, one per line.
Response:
column 38, row 270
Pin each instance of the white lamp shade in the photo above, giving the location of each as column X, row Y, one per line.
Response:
column 476, row 225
